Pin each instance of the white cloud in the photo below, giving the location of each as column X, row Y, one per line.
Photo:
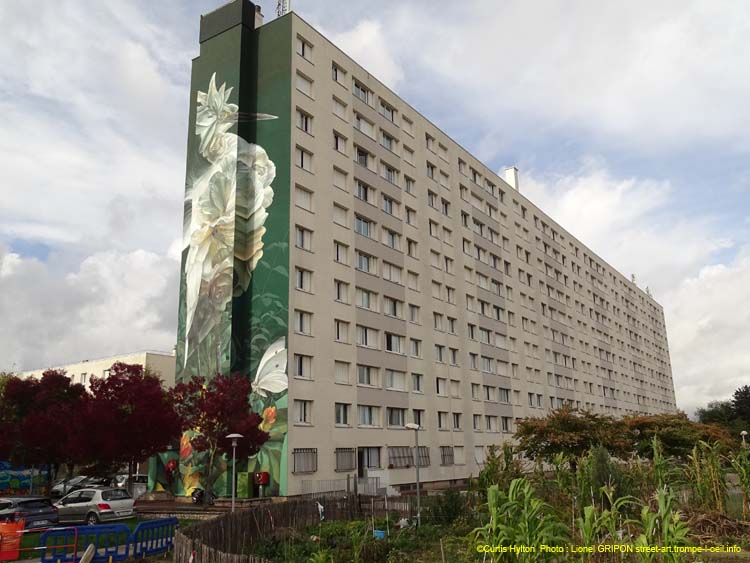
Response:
column 114, row 302
column 633, row 224
column 368, row 44
column 653, row 76
column 708, row 318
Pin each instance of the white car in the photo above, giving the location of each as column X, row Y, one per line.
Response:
column 93, row 506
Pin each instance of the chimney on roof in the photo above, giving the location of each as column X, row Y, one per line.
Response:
column 511, row 177
column 258, row 17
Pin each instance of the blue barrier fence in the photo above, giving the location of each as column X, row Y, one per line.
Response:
column 114, row 542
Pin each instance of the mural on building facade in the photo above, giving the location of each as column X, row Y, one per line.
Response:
column 235, row 279
column 22, row 480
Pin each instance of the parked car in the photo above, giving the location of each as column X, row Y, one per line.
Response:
column 95, row 505
column 37, row 512
column 65, row 486
column 138, row 486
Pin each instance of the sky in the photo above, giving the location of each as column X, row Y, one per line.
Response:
column 628, row 121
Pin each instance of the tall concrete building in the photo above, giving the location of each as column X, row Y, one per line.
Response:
column 366, row 272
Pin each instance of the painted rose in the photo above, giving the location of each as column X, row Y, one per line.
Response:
column 269, row 417
column 220, row 286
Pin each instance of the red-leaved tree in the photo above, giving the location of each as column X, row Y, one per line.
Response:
column 215, row 409
column 130, row 417
column 42, row 419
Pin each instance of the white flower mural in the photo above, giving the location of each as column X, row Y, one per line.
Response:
column 227, row 198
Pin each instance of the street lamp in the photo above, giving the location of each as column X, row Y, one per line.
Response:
column 743, row 434
column 234, row 438
column 415, row 427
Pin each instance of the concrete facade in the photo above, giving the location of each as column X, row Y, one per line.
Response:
column 428, row 289
column 160, row 363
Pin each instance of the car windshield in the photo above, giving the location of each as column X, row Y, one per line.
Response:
column 115, row 494
column 76, row 480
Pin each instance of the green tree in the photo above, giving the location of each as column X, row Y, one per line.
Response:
column 676, row 432
column 573, row 433
column 741, row 403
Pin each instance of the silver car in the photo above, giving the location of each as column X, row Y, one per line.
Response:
column 93, row 506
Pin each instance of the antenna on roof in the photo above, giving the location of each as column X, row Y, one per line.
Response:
column 283, row 6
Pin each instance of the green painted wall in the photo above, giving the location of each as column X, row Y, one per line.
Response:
column 234, row 288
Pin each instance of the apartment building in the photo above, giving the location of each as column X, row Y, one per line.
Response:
column 393, row 277
column 158, row 363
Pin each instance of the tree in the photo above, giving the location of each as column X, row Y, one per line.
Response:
column 129, row 418
column 571, row 432
column 741, row 403
column 215, row 409
column 677, row 433
column 41, row 420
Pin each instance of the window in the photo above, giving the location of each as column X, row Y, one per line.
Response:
column 302, row 411
column 440, row 386
column 339, row 179
column 408, row 126
column 302, row 322
column 339, row 142
column 303, row 198
column 409, row 157
column 411, row 216
column 303, row 238
column 490, row 423
column 477, row 422
column 305, row 460
column 337, row 73
column 400, row 456
column 304, row 121
column 446, row 455
column 439, row 353
column 416, row 382
column 341, row 291
column 340, row 331
column 413, row 313
column 387, row 142
column 302, row 279
column 430, row 170
column 387, row 111
column 362, row 92
column 408, row 185
column 394, row 343
column 303, row 366
column 412, row 279
column 304, row 85
column 304, row 49
column 363, row 157
column 339, row 109
column 369, row 415
column 364, row 126
column 367, row 336
column 367, row 299
column 455, row 388
column 340, row 253
column 371, row 457
column 390, row 205
column 395, row 380
column 456, row 421
column 416, row 348
column 479, row 455
column 417, row 416
column 341, row 370
column 346, row 459
column 506, row 423
column 390, row 174
column 392, row 307
column 366, row 263
column 364, row 227
column 391, row 272
column 411, row 248
column 458, row 455
column 342, row 413
column 396, row 416
column 442, row 420
column 303, row 159
column 340, row 215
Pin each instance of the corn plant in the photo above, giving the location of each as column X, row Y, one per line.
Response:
column 741, row 466
column 707, row 476
column 613, row 518
column 520, row 518
column 663, row 527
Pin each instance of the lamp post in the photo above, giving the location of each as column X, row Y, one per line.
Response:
column 415, row 427
column 743, row 434
column 234, row 438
